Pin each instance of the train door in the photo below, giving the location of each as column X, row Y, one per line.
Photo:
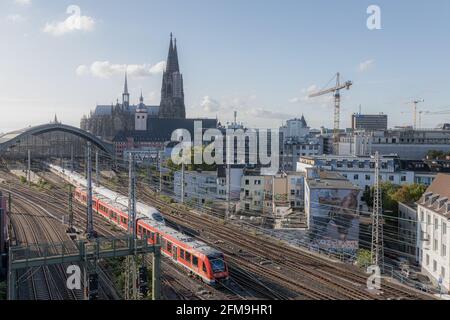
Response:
column 175, row 253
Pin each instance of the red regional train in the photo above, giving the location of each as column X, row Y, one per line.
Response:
column 202, row 260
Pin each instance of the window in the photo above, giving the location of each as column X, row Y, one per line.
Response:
column 391, row 178
column 434, row 266
column 403, row 178
column 195, row 261
column 367, row 177
column 444, row 228
column 428, row 260
column 188, row 257
column 247, row 182
column 435, row 245
column 182, row 254
column 356, row 177
column 169, row 246
column 436, row 224
column 442, row 272
column 443, row 250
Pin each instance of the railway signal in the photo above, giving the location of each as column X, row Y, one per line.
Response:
column 90, row 219
column 143, row 281
column 93, row 286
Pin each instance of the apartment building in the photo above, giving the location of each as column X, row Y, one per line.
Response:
column 361, row 170
column 407, row 231
column 433, row 240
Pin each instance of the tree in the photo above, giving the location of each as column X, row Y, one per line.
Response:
column 364, row 258
column 192, row 167
column 387, row 190
column 437, row 154
column 409, row 193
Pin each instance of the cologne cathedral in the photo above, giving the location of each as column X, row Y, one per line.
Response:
column 107, row 121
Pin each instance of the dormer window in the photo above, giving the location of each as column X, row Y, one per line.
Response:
column 427, row 196
column 433, row 199
column 442, row 202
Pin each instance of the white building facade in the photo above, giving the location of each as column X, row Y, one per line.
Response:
column 433, row 241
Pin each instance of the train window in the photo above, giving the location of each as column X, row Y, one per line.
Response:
column 164, row 243
column 195, row 261
column 182, row 254
column 188, row 257
column 139, row 229
column 169, row 246
column 152, row 235
column 204, row 267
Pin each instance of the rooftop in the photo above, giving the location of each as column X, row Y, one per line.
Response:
column 331, row 180
column 437, row 196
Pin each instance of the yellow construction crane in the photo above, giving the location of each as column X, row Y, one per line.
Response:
column 414, row 104
column 337, row 102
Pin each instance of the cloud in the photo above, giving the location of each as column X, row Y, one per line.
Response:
column 268, row 114
column 23, row 2
column 305, row 94
column 15, row 18
column 75, row 22
column 210, row 105
column 106, row 69
column 366, row 65
column 82, row 70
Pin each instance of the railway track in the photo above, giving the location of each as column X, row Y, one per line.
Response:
column 174, row 279
column 345, row 282
column 30, row 227
column 289, row 269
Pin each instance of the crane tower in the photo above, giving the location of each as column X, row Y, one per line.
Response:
column 336, row 90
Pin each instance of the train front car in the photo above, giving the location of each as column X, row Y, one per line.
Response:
column 218, row 267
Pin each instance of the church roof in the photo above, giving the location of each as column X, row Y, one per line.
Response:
column 162, row 129
column 105, row 110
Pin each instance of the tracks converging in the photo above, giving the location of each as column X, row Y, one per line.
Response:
column 32, row 224
column 261, row 267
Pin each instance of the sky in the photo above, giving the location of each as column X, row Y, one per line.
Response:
column 260, row 58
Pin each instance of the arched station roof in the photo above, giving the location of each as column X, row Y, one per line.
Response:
column 10, row 139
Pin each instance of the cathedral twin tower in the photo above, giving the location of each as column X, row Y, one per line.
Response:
column 172, row 92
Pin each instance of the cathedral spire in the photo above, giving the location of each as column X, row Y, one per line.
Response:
column 125, row 87
column 141, row 99
column 125, row 95
column 172, row 57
